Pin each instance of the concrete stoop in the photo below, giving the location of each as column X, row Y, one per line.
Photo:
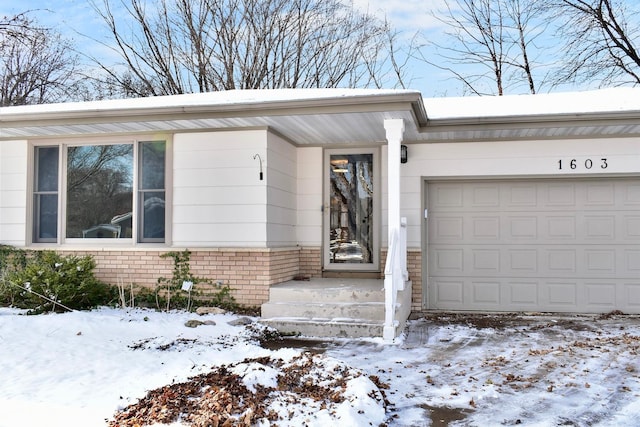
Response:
column 349, row 308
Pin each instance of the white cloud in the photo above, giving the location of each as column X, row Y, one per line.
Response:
column 406, row 15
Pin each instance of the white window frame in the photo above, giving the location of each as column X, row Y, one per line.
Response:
column 63, row 146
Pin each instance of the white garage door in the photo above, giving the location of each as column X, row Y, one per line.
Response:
column 544, row 245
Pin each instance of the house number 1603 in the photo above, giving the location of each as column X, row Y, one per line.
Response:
column 579, row 164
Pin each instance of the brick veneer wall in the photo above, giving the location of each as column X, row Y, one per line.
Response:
column 414, row 266
column 310, row 262
column 249, row 272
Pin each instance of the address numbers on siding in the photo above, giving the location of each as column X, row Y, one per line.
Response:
column 579, row 164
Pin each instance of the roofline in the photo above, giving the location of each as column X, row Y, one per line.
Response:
column 313, row 105
column 537, row 119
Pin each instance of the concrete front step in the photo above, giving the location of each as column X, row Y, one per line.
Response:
column 369, row 311
column 340, row 328
column 327, row 307
column 329, row 290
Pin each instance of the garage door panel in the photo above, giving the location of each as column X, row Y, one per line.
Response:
column 546, row 245
column 486, row 261
column 448, row 294
column 631, row 225
column 600, row 296
column 631, row 195
column 632, row 258
column 561, row 261
column 485, row 294
column 529, row 295
column 485, row 195
column 600, row 227
column 631, row 298
column 539, row 228
column 600, row 194
column 558, row 195
column 522, row 228
column 446, row 229
column 447, row 261
column 563, row 295
column 523, row 262
column 600, row 261
column 446, row 196
column 561, row 227
column 521, row 195
column 484, row 227
column 522, row 295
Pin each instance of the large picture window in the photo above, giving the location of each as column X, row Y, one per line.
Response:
column 101, row 197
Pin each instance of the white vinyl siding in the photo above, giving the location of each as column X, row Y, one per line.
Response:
column 219, row 200
column 280, row 175
column 13, row 192
column 309, row 204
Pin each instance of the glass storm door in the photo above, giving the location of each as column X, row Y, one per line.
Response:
column 351, row 223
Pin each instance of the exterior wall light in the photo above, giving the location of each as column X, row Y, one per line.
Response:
column 403, row 154
column 257, row 156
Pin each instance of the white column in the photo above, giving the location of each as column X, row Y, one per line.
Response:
column 395, row 132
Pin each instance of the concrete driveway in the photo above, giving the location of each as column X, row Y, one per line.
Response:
column 507, row 369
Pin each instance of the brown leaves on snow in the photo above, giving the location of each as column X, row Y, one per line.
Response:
column 221, row 399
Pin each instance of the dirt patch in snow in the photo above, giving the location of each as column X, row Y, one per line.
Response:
column 532, row 321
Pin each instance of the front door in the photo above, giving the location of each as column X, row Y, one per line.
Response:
column 351, row 215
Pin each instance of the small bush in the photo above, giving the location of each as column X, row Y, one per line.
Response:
column 65, row 281
column 169, row 293
column 222, row 298
column 12, row 260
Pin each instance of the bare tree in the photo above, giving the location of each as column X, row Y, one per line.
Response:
column 207, row 45
column 36, row 64
column 525, row 31
column 602, row 41
column 490, row 44
column 13, row 24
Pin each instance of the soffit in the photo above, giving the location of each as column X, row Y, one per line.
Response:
column 313, row 129
column 327, row 121
column 556, row 126
column 335, row 128
column 355, row 118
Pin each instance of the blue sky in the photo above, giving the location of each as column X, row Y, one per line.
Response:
column 76, row 17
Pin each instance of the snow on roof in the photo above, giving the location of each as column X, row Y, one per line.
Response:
column 565, row 103
column 472, row 107
column 220, row 98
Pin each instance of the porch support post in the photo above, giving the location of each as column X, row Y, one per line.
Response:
column 395, row 133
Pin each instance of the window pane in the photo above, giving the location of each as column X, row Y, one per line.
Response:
column 153, row 156
column 47, row 217
column 153, row 216
column 99, row 191
column 47, row 173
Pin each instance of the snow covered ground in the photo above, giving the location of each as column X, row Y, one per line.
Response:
column 78, row 369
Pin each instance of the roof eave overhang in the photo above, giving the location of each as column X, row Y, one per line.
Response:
column 611, row 123
column 336, row 105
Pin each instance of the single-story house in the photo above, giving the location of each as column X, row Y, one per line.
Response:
column 515, row 203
